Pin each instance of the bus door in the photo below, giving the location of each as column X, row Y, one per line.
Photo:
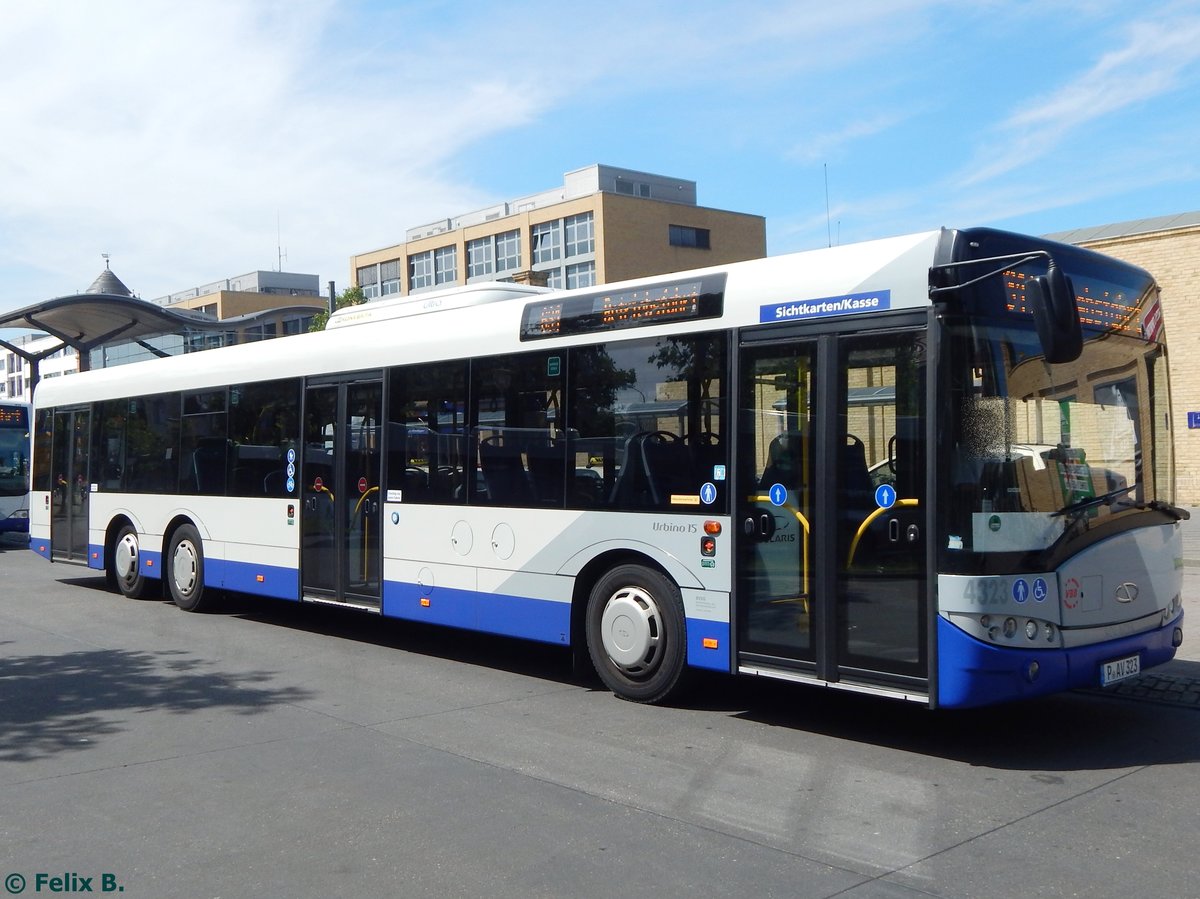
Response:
column 831, row 576
column 70, row 491
column 340, row 557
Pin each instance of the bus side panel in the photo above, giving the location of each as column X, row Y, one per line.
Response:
column 708, row 642
column 512, row 571
column 493, row 611
column 39, row 522
column 250, row 545
column 433, row 592
column 255, row 577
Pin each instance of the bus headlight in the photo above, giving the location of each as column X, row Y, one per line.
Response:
column 1031, row 629
column 1010, row 628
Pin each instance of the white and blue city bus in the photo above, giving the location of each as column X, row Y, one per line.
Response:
column 934, row 467
column 14, row 468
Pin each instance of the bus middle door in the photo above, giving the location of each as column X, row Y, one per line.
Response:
column 340, row 556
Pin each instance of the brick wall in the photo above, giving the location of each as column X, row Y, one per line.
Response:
column 1173, row 257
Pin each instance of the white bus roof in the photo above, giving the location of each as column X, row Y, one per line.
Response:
column 485, row 320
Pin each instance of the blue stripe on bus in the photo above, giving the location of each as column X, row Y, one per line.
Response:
column 276, row 582
column 151, row 562
column 95, row 557
column 714, row 657
column 973, row 673
column 493, row 613
column 41, row 547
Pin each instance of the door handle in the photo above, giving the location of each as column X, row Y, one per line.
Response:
column 760, row 527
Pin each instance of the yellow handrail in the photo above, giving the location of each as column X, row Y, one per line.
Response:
column 862, row 528
column 804, row 524
column 366, row 532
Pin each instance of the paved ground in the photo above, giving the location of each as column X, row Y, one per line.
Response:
column 270, row 749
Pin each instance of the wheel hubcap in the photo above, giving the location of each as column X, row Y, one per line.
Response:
column 631, row 630
column 125, row 557
column 183, row 567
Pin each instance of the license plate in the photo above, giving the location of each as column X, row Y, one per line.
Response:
column 1120, row 669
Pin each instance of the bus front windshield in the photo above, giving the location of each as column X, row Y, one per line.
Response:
column 1041, row 456
column 14, row 456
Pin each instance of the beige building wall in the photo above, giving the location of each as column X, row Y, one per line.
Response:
column 1173, row 257
column 231, row 303
column 631, row 238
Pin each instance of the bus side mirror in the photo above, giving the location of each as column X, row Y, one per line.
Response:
column 1055, row 315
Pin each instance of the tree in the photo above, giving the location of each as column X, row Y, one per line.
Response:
column 351, row 296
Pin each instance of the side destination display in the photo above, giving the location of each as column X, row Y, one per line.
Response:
column 607, row 310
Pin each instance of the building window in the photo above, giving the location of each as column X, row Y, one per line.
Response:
column 420, row 270
column 368, row 280
column 547, row 242
column 581, row 274
column 389, row 274
column 445, row 265
column 479, row 257
column 580, row 234
column 508, row 251
column 296, row 325
column 258, row 332
column 683, row 236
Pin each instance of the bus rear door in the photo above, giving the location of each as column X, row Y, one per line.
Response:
column 70, row 492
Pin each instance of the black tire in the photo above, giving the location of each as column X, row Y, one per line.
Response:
column 184, row 569
column 636, row 633
column 124, row 564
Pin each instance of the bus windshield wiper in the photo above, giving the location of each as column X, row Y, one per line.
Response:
column 1072, row 511
column 1156, row 505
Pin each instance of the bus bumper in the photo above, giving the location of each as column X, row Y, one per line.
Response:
column 973, row 673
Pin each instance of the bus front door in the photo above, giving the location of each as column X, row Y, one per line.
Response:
column 71, row 491
column 831, row 510
column 340, row 557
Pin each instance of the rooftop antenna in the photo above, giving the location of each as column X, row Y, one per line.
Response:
column 280, row 252
column 828, row 226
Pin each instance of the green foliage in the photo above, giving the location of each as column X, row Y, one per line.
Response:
column 351, row 296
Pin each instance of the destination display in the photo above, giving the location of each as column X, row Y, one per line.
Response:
column 12, row 417
column 609, row 310
column 1102, row 306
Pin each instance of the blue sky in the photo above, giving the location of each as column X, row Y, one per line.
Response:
column 190, row 140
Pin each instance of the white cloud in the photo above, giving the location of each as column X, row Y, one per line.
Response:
column 1149, row 65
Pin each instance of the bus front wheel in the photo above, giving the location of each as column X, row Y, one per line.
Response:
column 185, row 569
column 125, row 564
column 636, row 633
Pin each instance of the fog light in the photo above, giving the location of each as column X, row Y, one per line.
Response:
column 1031, row 673
column 1177, row 637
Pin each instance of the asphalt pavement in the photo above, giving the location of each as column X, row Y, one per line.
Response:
column 276, row 749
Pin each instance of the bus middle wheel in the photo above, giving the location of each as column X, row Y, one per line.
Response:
column 185, row 569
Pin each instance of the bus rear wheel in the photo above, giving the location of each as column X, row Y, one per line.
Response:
column 636, row 633
column 125, row 564
column 185, row 569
